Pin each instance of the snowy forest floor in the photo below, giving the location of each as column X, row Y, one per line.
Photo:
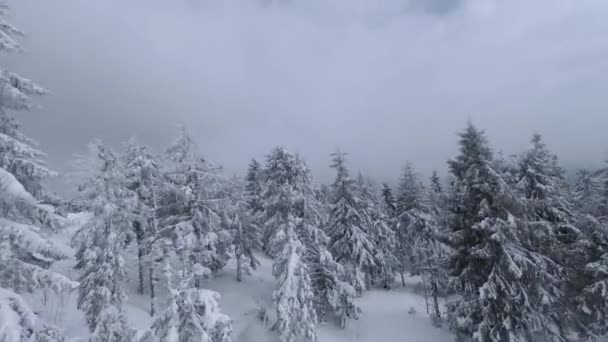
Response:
column 385, row 314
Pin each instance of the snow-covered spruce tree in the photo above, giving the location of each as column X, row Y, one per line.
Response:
column 388, row 201
column 585, row 193
column 254, row 190
column 284, row 176
column 19, row 154
column 25, row 253
column 191, row 315
column 588, row 284
column 25, row 256
column 333, row 294
column 602, row 181
column 549, row 212
column 381, row 234
column 246, row 241
column 99, row 256
column 505, row 286
column 411, row 216
column 349, row 242
column 191, row 208
column 294, row 299
column 542, row 184
column 429, row 253
column 436, row 256
column 242, row 224
column 142, row 177
column 290, row 199
column 419, row 232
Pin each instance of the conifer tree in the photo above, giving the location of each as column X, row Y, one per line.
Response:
column 291, row 204
column 388, row 201
column 253, row 188
column 192, row 205
column 506, row 286
column 25, row 256
column 25, row 253
column 19, row 154
column 543, row 186
column 349, row 242
column 411, row 209
column 142, row 176
column 99, row 256
column 246, row 241
column 296, row 315
column 192, row 314
column 381, row 234
column 587, row 286
column 586, row 192
column 285, row 178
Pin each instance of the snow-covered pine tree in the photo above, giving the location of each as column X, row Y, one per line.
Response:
column 334, row 296
column 254, row 189
column 242, row 216
column 19, row 154
column 191, row 207
column 192, row 314
column 388, row 201
column 349, row 242
column 294, row 299
column 505, row 286
column 242, row 224
column 200, row 318
column 291, row 202
column 429, row 252
column 542, row 184
column 381, row 234
column 601, row 177
column 284, row 176
column 142, row 176
column 411, row 214
column 586, row 192
column 588, row 283
column 25, row 256
column 99, row 256
column 419, row 232
column 246, row 241
column 25, row 253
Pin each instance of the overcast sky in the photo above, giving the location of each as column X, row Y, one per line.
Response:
column 385, row 80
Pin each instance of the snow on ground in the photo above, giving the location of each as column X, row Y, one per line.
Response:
column 384, row 314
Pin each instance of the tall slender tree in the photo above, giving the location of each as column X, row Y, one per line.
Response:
column 349, row 242
column 100, row 254
column 411, row 208
column 192, row 205
column 142, row 177
column 388, row 201
column 25, row 253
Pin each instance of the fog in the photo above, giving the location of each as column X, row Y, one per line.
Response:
column 387, row 81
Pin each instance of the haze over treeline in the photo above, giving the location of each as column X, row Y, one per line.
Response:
column 388, row 81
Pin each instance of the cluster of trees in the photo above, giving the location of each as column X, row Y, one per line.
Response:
column 526, row 249
column 523, row 253
column 521, row 250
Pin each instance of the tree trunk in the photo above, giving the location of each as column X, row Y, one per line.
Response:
column 435, row 299
column 402, row 278
column 239, row 268
column 426, row 297
column 140, row 254
column 153, row 281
